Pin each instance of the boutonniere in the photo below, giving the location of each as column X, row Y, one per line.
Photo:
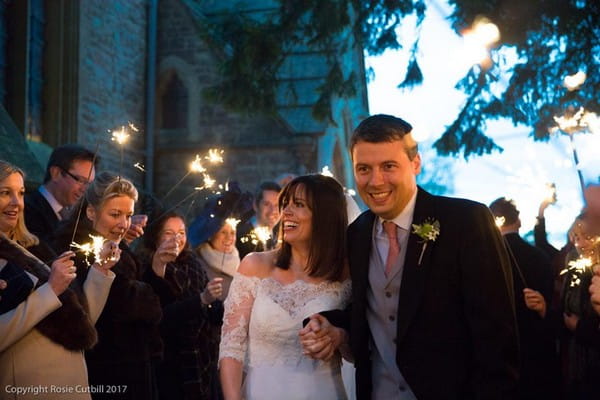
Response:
column 428, row 231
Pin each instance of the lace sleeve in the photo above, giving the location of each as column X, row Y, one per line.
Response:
column 238, row 307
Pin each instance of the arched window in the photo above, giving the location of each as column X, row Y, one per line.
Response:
column 175, row 100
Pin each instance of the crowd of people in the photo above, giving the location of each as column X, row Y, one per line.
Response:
column 427, row 297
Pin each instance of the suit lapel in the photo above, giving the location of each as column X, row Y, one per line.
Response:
column 359, row 250
column 414, row 275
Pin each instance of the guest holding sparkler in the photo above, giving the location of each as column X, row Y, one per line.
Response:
column 191, row 312
column 533, row 288
column 69, row 171
column 580, row 347
column 47, row 317
column 258, row 233
column 128, row 337
column 212, row 233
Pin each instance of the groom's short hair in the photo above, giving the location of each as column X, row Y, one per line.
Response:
column 383, row 128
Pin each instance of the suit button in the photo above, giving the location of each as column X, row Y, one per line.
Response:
column 392, row 318
column 388, row 294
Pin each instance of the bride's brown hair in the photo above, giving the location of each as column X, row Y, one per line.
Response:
column 326, row 200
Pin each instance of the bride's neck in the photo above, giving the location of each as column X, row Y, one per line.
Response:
column 299, row 261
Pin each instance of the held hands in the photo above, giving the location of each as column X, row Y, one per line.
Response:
column 167, row 252
column 320, row 339
column 136, row 229
column 213, row 291
column 535, row 301
column 62, row 272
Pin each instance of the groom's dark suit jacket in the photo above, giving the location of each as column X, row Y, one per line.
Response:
column 456, row 331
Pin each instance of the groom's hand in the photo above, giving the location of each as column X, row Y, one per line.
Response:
column 320, row 339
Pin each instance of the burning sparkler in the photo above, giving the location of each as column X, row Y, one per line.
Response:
column 90, row 248
column 572, row 122
column 121, row 136
column 232, row 222
column 578, row 267
column 139, row 166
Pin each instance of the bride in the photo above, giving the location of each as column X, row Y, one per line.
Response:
column 274, row 291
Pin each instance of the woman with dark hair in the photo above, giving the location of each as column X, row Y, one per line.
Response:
column 191, row 312
column 274, row 291
column 128, row 337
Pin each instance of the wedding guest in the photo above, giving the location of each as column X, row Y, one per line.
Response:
column 533, row 281
column 274, row 291
column 580, row 347
column 47, row 319
column 69, row 171
column 266, row 216
column 128, row 337
column 191, row 312
column 212, row 234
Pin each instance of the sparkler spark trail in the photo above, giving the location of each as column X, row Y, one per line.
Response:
column 232, row 222
column 578, row 267
column 139, row 166
column 90, row 248
column 215, row 156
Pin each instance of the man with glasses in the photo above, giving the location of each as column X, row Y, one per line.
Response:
column 69, row 171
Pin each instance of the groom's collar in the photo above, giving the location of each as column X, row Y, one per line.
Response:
column 404, row 219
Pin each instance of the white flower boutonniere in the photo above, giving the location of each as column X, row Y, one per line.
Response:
column 428, row 231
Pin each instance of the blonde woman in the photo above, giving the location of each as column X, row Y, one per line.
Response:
column 128, row 337
column 36, row 347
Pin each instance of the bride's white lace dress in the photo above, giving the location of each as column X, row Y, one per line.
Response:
column 260, row 329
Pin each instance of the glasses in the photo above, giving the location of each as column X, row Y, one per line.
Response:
column 79, row 179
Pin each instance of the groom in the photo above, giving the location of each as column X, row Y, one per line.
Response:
column 432, row 315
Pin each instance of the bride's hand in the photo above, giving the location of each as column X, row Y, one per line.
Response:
column 320, row 339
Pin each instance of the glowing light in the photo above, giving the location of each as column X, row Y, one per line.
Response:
column 579, row 121
column 208, row 181
column 573, row 82
column 214, row 156
column 90, row 248
column 326, row 171
column 196, row 165
column 132, row 127
column 232, row 222
column 499, row 221
column 121, row 136
column 478, row 39
column 262, row 234
column 139, row 166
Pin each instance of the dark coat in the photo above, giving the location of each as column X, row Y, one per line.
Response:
column 40, row 218
column 128, row 336
column 456, row 333
column 190, row 331
column 540, row 368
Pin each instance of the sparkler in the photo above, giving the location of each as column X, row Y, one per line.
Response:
column 233, row 222
column 499, row 221
column 578, row 266
column 571, row 123
column 90, row 248
column 139, row 166
column 214, row 156
column 121, row 136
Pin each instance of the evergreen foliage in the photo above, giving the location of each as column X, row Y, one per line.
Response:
column 552, row 38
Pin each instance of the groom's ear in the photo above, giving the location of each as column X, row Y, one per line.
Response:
column 416, row 163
